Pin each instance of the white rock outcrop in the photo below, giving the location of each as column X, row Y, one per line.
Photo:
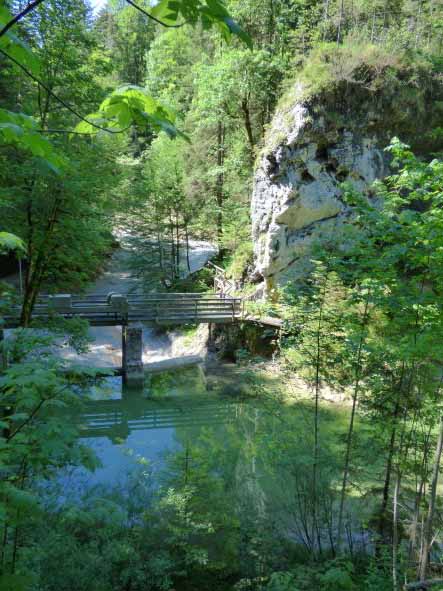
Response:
column 297, row 195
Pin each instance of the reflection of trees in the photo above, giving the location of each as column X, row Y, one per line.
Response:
column 254, row 473
column 248, row 467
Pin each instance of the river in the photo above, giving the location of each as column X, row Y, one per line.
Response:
column 228, row 440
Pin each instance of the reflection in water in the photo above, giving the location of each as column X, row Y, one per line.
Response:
column 247, row 461
column 129, row 429
column 118, row 419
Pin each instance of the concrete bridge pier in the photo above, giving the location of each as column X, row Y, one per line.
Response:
column 132, row 350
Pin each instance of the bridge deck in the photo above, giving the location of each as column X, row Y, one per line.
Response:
column 113, row 419
column 115, row 310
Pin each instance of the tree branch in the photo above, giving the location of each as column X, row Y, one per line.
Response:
column 57, row 98
column 68, row 131
column 140, row 9
column 19, row 16
column 33, row 413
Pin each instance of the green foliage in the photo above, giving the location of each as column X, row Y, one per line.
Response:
column 368, row 323
column 241, row 258
column 370, row 318
column 329, row 65
column 20, row 130
column 10, row 242
column 337, row 578
column 16, row 47
column 209, row 13
column 282, row 581
column 35, row 441
column 127, row 106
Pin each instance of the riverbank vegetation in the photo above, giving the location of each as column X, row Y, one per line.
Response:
column 111, row 120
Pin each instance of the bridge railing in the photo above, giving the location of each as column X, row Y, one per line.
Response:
column 222, row 285
column 120, row 309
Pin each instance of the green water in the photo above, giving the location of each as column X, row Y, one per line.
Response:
column 225, row 460
column 205, row 480
column 230, row 436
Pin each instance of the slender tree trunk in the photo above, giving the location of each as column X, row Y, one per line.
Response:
column 316, row 417
column 325, row 18
column 417, row 27
column 340, row 21
column 38, row 263
column 358, row 375
column 431, row 20
column 428, row 526
column 177, row 234
column 418, row 497
column 160, row 251
column 220, row 177
column 188, row 262
column 271, row 23
column 248, row 125
column 172, row 239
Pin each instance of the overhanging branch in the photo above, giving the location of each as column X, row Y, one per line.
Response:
column 57, row 98
column 18, row 17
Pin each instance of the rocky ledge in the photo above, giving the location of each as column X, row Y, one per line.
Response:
column 320, row 138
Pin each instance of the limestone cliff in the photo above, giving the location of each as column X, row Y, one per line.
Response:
column 321, row 137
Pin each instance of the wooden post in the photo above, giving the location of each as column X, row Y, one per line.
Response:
column 132, row 350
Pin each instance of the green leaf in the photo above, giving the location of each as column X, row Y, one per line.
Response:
column 21, row 130
column 21, row 52
column 237, row 30
column 163, row 12
column 11, row 242
column 131, row 105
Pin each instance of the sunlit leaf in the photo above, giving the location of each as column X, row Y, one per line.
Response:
column 11, row 242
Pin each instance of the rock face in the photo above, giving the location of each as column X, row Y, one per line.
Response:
column 312, row 147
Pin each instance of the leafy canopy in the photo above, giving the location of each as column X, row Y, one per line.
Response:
column 209, row 13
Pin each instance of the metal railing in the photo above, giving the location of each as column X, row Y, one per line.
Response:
column 222, row 285
column 116, row 309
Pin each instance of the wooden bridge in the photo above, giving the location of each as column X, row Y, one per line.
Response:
column 120, row 310
column 117, row 419
column 129, row 312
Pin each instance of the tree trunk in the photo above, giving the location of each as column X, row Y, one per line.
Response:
column 358, row 375
column 248, row 125
column 38, row 263
column 316, row 417
column 340, row 22
column 428, row 526
column 188, row 262
column 220, row 177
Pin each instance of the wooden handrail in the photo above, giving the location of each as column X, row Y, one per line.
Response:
column 103, row 311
